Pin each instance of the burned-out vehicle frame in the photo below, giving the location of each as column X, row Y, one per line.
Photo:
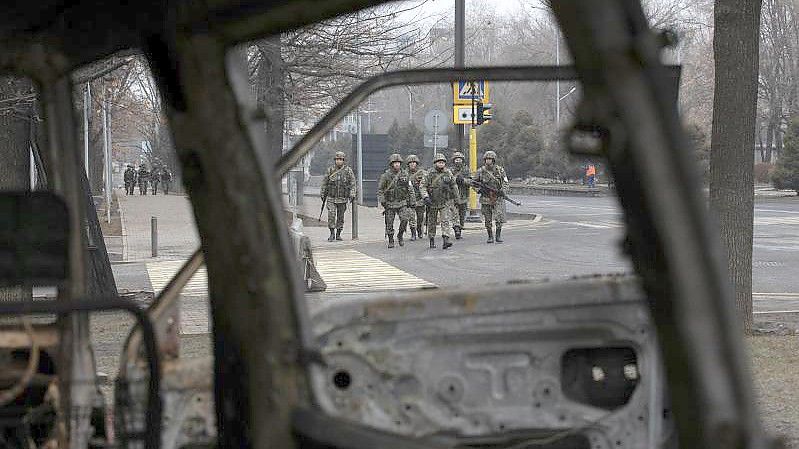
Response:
column 515, row 366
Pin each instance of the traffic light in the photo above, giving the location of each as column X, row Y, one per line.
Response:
column 484, row 113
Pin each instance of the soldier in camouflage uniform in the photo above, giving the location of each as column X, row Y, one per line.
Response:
column 395, row 194
column 338, row 187
column 439, row 189
column 460, row 205
column 492, row 207
column 417, row 207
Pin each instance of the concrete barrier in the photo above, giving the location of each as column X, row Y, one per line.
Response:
column 559, row 190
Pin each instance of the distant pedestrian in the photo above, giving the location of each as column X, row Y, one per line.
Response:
column 590, row 175
column 395, row 194
column 439, row 190
column 155, row 179
column 130, row 179
column 462, row 173
column 338, row 188
column 143, row 178
column 416, row 174
column 166, row 180
column 491, row 205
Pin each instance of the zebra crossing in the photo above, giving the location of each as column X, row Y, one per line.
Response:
column 348, row 271
column 162, row 272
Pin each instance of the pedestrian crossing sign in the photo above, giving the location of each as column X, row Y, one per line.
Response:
column 464, row 92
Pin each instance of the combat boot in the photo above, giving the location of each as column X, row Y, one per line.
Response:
column 413, row 233
column 399, row 238
column 457, row 232
column 338, row 234
column 390, row 240
column 490, row 234
column 499, row 235
column 332, row 235
column 432, row 242
column 447, row 243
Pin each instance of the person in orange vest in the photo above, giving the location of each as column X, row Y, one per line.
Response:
column 590, row 174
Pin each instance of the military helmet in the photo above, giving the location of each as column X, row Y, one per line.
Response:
column 490, row 155
column 394, row 158
column 456, row 155
column 412, row 158
column 439, row 157
column 339, row 155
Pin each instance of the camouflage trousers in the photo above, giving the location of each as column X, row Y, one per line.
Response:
column 417, row 217
column 495, row 212
column 404, row 214
column 335, row 215
column 459, row 214
column 442, row 216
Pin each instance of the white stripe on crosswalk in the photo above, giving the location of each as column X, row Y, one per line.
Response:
column 162, row 272
column 600, row 224
column 776, row 221
column 348, row 270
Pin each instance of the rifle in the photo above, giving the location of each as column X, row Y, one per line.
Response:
column 485, row 188
column 324, row 200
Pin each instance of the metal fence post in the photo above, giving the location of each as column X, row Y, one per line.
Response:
column 154, row 235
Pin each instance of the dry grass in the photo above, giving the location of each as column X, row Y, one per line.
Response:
column 775, row 363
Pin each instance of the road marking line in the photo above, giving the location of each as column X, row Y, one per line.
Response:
column 348, row 270
column 597, row 225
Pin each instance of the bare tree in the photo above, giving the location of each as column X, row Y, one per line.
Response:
column 735, row 45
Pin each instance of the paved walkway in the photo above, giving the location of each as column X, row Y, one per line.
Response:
column 177, row 234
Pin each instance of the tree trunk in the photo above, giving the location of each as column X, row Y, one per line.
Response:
column 15, row 157
column 735, row 47
column 270, row 87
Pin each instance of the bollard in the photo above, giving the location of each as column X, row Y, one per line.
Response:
column 354, row 220
column 154, row 235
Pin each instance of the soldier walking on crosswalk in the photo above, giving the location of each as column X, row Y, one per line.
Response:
column 338, row 188
column 491, row 205
column 395, row 194
column 417, row 206
column 462, row 173
column 439, row 190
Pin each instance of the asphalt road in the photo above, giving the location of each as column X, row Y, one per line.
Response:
column 581, row 236
column 577, row 236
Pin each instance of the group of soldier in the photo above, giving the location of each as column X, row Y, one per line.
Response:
column 435, row 197
column 146, row 179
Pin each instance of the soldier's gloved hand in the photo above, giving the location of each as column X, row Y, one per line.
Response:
column 459, row 179
column 383, row 204
column 428, row 201
column 352, row 198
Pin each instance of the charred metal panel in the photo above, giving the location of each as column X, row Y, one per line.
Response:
column 492, row 363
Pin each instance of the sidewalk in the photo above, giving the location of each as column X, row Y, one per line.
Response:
column 371, row 224
column 177, row 234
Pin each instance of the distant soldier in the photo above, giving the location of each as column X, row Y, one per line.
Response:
column 166, row 180
column 338, row 188
column 130, row 179
column 417, row 206
column 143, row 177
column 491, row 205
column 395, row 194
column 155, row 179
column 462, row 173
column 439, row 190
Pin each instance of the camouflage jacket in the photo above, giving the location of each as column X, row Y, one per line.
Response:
column 338, row 185
column 142, row 175
column 395, row 189
column 461, row 173
column 440, row 187
column 130, row 175
column 416, row 182
column 493, row 177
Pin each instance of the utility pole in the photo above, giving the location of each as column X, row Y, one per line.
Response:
column 87, row 101
column 107, row 153
column 557, row 82
column 460, row 53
